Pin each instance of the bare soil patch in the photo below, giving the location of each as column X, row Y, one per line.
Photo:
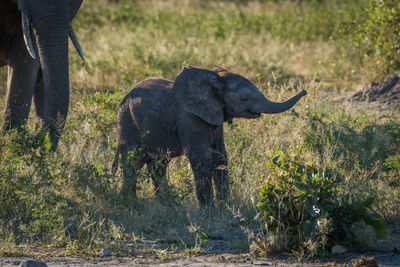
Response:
column 241, row 260
column 385, row 93
column 216, row 253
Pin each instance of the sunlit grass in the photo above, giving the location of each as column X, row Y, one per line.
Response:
column 159, row 38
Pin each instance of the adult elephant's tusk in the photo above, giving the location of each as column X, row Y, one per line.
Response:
column 75, row 42
column 27, row 36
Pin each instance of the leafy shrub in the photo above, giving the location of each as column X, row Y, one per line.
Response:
column 306, row 209
column 380, row 35
column 362, row 148
column 28, row 205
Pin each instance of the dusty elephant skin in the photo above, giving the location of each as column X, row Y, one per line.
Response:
column 160, row 117
column 34, row 45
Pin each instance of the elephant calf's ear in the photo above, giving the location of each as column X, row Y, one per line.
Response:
column 196, row 91
column 219, row 69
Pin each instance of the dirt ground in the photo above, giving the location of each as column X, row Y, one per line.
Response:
column 385, row 93
column 241, row 260
column 216, row 253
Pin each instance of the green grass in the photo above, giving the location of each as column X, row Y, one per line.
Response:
column 70, row 200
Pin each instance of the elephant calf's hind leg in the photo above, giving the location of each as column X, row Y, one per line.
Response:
column 158, row 171
column 131, row 172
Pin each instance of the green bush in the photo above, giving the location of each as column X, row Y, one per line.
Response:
column 379, row 36
column 28, row 201
column 361, row 148
column 307, row 210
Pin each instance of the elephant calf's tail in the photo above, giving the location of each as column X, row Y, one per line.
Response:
column 114, row 167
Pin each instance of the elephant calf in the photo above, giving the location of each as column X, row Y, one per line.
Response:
column 160, row 117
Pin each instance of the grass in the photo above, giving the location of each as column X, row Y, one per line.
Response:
column 70, row 200
column 158, row 38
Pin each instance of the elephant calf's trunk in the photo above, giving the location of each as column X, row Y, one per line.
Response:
column 270, row 107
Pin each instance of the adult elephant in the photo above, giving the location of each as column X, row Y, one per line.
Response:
column 38, row 66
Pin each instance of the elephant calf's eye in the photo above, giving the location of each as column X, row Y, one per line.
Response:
column 244, row 99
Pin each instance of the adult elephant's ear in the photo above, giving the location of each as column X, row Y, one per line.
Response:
column 74, row 7
column 198, row 91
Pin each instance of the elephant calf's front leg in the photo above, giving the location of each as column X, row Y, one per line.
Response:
column 220, row 175
column 220, row 165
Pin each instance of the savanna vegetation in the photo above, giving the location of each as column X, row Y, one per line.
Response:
column 324, row 173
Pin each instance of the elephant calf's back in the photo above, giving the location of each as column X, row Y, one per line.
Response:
column 145, row 117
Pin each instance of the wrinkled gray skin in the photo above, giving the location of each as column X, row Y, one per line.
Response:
column 186, row 117
column 34, row 45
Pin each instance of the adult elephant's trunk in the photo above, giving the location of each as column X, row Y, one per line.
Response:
column 52, row 39
column 270, row 107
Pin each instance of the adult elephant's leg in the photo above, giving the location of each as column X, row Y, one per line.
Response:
column 22, row 72
column 220, row 164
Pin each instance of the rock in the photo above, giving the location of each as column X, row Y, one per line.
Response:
column 338, row 249
column 31, row 263
column 106, row 252
column 364, row 262
column 219, row 235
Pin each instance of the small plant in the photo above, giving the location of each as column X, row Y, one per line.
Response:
column 306, row 209
column 73, row 248
column 8, row 248
column 392, row 164
column 164, row 254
